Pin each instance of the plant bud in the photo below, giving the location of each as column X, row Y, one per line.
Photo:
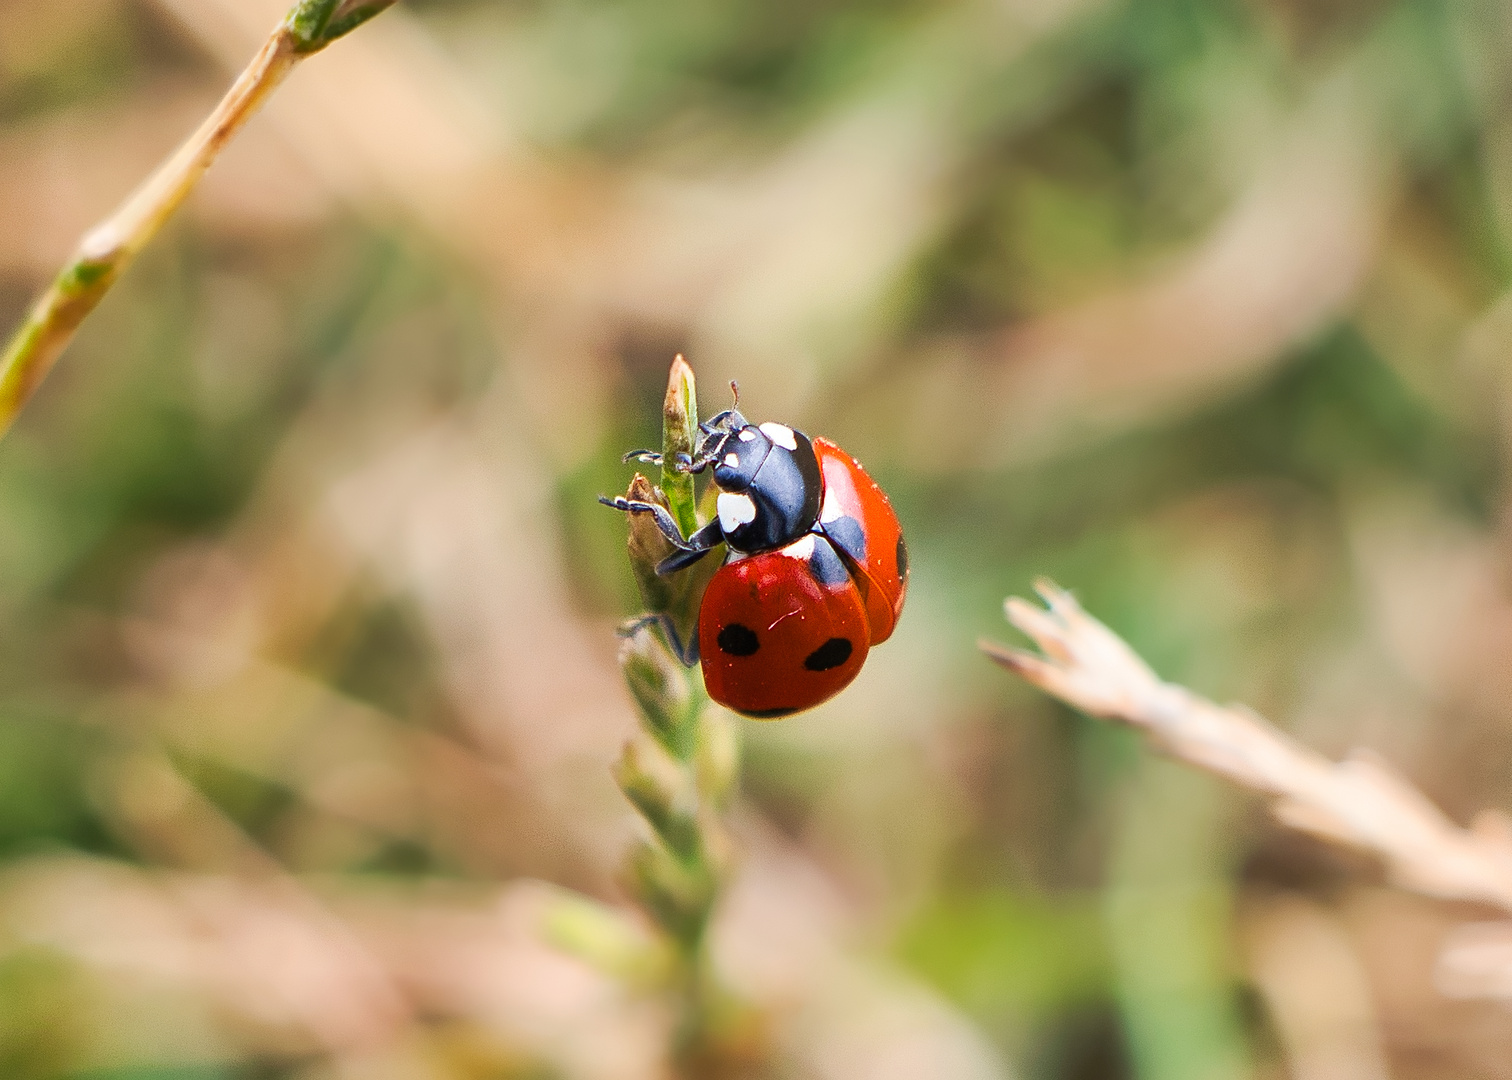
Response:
column 605, row 938
column 680, row 442
column 678, row 896
column 663, row 794
column 662, row 691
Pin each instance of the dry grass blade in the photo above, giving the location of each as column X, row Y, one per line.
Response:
column 1359, row 802
column 110, row 247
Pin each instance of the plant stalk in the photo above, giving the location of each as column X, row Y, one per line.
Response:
column 681, row 769
column 110, row 247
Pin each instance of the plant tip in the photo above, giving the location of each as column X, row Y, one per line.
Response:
column 1010, row 658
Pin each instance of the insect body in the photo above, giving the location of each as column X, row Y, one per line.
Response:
column 816, row 570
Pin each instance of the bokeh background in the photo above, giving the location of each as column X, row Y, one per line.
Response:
column 308, row 691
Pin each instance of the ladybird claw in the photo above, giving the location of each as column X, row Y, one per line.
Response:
column 687, row 654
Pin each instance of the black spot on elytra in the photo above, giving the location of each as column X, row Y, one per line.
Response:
column 826, row 566
column 738, row 640
column 833, row 653
column 847, row 535
column 902, row 558
column 769, row 714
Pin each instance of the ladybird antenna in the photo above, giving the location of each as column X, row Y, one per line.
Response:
column 735, row 390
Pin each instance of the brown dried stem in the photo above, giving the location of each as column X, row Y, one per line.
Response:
column 1359, row 802
column 110, row 247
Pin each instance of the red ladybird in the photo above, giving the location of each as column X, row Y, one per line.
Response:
column 816, row 570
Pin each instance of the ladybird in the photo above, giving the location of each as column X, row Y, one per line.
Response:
column 815, row 571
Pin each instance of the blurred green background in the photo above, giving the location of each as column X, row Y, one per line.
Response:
column 307, row 653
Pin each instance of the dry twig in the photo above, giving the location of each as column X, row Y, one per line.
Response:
column 1359, row 802
column 110, row 247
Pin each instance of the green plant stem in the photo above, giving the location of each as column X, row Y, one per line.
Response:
column 679, row 873
column 110, row 247
column 680, row 771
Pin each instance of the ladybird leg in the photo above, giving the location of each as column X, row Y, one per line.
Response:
column 664, row 520
column 681, row 463
column 713, row 423
column 726, row 421
column 689, row 549
column 700, row 463
column 697, row 546
column 687, row 654
column 685, row 464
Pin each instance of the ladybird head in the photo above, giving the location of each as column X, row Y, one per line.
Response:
column 742, row 454
column 735, row 448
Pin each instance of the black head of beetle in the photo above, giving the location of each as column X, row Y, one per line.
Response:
column 769, row 488
column 736, row 450
column 768, row 478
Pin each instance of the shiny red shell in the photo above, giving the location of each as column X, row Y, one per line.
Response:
column 783, row 631
column 880, row 566
column 774, row 639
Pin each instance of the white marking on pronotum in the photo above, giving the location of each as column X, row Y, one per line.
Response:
column 732, row 460
column 782, row 436
column 735, row 510
column 747, row 435
column 802, row 548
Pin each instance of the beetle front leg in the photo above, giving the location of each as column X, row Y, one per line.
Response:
column 698, row 545
column 689, row 549
column 663, row 517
